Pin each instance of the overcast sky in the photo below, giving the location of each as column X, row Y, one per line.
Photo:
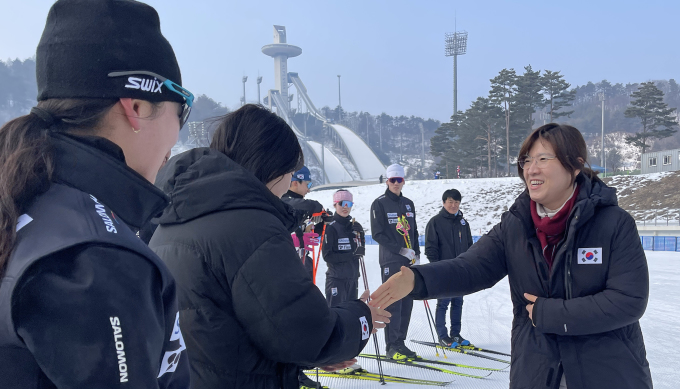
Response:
column 391, row 53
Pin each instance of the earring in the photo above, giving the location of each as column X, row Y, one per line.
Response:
column 136, row 131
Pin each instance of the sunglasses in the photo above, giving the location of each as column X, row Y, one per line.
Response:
column 396, row 180
column 309, row 185
column 184, row 109
column 345, row 203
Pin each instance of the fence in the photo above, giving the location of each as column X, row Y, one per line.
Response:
column 652, row 243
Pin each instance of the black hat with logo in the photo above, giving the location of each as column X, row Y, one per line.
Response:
column 85, row 41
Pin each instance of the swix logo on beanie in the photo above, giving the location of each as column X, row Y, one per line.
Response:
column 145, row 84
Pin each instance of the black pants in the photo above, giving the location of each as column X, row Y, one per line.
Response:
column 308, row 263
column 397, row 328
column 341, row 290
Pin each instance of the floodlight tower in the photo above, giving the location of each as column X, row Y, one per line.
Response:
column 455, row 44
column 259, row 81
column 244, row 79
column 281, row 51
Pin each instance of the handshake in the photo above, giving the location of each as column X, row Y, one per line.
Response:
column 410, row 255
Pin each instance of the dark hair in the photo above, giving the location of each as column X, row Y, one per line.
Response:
column 568, row 144
column 260, row 141
column 452, row 193
column 26, row 159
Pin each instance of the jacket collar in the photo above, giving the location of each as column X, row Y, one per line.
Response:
column 344, row 221
column 447, row 215
column 97, row 166
column 392, row 196
column 292, row 194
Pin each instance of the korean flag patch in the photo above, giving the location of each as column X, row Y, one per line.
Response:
column 334, row 291
column 387, row 271
column 365, row 329
column 462, row 221
column 590, row 255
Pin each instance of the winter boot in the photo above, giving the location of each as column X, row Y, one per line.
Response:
column 394, row 353
column 445, row 341
column 308, row 383
column 458, row 340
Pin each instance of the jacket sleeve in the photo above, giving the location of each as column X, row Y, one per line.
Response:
column 431, row 242
column 380, row 229
column 622, row 302
column 93, row 317
column 479, row 268
column 287, row 317
column 416, row 242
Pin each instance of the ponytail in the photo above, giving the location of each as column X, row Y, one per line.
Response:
column 26, row 157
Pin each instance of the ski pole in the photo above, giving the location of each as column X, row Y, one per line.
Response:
column 318, row 259
column 375, row 336
column 429, row 324
column 429, row 312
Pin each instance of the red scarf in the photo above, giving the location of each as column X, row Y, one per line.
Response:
column 551, row 231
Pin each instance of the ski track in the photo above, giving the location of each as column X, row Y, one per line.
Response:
column 487, row 319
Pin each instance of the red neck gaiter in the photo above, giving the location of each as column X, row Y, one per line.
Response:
column 551, row 231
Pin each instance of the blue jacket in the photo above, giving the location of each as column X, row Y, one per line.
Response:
column 586, row 319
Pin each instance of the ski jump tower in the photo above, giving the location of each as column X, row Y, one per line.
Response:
column 358, row 163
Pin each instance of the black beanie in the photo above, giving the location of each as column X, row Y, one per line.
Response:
column 85, row 40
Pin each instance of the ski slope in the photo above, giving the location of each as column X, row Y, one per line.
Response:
column 366, row 161
column 487, row 320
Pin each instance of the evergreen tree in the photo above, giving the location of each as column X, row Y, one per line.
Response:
column 529, row 97
column 503, row 90
column 486, row 122
column 557, row 93
column 653, row 113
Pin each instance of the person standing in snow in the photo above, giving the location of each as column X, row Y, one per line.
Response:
column 251, row 314
column 84, row 303
column 341, row 251
column 448, row 235
column 578, row 275
column 308, row 225
column 397, row 248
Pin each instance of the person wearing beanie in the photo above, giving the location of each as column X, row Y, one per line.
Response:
column 447, row 236
column 84, row 303
column 305, row 210
column 398, row 246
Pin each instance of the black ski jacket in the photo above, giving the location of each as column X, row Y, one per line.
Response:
column 303, row 210
column 447, row 236
column 84, row 303
column 338, row 248
column 249, row 311
column 384, row 213
column 586, row 319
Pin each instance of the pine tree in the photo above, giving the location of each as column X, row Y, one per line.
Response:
column 486, row 122
column 557, row 94
column 653, row 113
column 503, row 90
column 529, row 96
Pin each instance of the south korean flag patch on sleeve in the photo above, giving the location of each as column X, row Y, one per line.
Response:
column 590, row 255
column 365, row 329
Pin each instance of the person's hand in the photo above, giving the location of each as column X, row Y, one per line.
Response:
column 394, row 289
column 339, row 365
column 316, row 219
column 408, row 253
column 530, row 307
column 311, row 240
column 416, row 260
column 361, row 250
column 380, row 316
column 356, row 227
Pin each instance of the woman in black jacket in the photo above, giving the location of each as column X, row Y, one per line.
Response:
column 578, row 274
column 83, row 302
column 250, row 313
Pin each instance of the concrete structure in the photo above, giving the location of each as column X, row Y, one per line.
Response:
column 355, row 161
column 660, row 161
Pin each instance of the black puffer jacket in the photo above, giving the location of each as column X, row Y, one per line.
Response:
column 447, row 236
column 251, row 313
column 587, row 314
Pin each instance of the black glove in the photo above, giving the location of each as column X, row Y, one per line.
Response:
column 327, row 218
column 356, row 227
column 361, row 251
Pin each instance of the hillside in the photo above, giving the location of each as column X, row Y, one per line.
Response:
column 485, row 199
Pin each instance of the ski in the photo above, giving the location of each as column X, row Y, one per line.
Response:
column 421, row 359
column 462, row 351
column 368, row 376
column 484, row 350
column 416, row 364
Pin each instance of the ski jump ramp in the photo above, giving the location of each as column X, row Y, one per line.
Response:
column 335, row 171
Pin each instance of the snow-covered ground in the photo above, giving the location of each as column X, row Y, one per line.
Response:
column 487, row 318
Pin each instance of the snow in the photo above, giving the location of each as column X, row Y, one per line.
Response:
column 366, row 161
column 335, row 171
column 487, row 320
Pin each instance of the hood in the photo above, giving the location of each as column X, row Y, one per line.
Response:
column 203, row 181
column 593, row 194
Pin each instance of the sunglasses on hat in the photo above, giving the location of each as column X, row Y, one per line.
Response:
column 396, row 180
column 184, row 109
